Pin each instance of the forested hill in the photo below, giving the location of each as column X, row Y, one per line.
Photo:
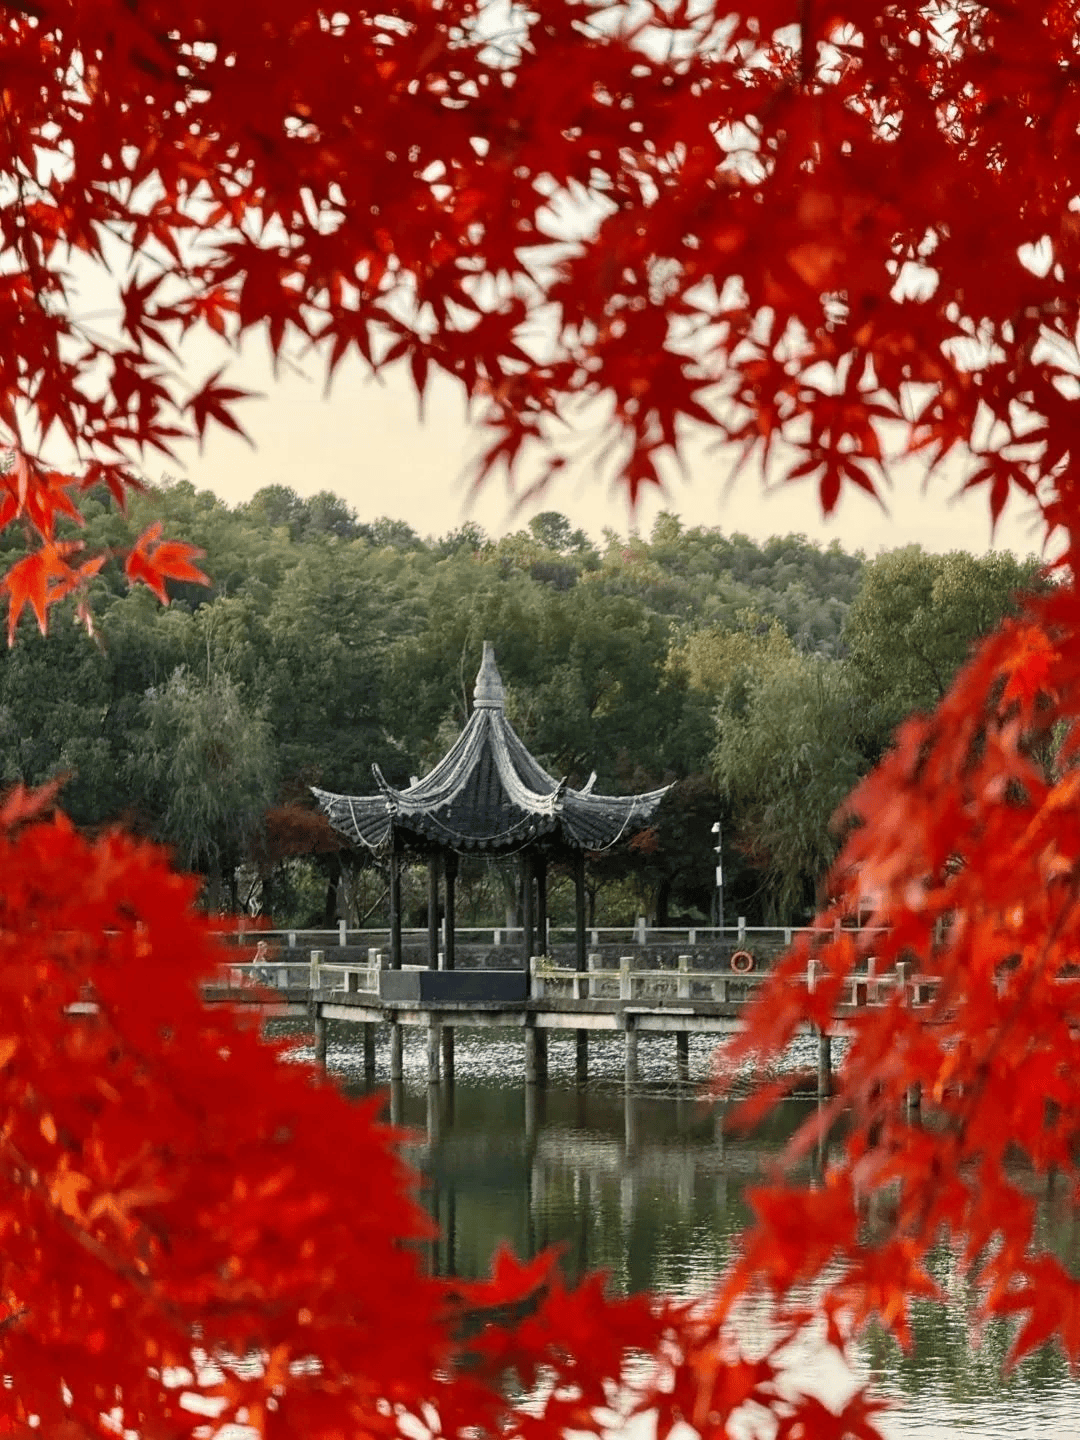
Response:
column 763, row 678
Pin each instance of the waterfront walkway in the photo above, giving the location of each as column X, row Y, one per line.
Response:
column 663, row 989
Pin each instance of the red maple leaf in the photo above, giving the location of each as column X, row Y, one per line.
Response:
column 212, row 402
column 42, row 578
column 152, row 561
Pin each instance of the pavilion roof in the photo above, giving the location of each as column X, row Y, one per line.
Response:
column 488, row 794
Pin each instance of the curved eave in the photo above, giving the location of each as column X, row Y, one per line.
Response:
column 597, row 822
column 366, row 820
column 488, row 795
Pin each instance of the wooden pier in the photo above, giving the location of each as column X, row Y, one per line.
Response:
column 684, row 997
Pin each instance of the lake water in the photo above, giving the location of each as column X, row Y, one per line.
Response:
column 649, row 1189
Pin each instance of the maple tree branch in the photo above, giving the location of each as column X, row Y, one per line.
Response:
column 26, row 1175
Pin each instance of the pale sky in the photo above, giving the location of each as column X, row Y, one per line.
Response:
column 366, row 443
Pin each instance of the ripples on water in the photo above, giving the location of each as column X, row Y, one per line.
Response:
column 649, row 1189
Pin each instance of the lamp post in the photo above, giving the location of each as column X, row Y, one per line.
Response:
column 718, row 847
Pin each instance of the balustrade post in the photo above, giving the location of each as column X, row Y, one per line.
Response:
column 683, row 984
column 625, row 981
column 315, row 960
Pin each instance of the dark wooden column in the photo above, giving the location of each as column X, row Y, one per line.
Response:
column 451, row 869
column 580, row 950
column 433, row 911
column 395, row 907
column 581, row 962
column 528, row 914
column 450, row 863
column 540, row 866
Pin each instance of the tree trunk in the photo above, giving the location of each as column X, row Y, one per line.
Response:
column 331, row 909
column 663, row 900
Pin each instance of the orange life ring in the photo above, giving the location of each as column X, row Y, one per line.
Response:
column 742, row 962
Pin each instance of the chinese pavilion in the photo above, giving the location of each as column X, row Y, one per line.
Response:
column 488, row 795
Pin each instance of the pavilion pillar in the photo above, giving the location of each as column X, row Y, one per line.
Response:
column 450, row 867
column 580, row 957
column 528, row 915
column 395, row 907
column 540, row 865
column 581, row 963
column 433, row 911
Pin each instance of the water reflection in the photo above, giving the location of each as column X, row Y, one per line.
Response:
column 651, row 1189
column 639, row 1185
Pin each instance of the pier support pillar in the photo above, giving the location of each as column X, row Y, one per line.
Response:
column 369, row 1052
column 434, row 1114
column 824, row 1065
column 532, row 1059
column 631, row 1054
column 541, row 1056
column 397, row 1065
column 581, row 1058
column 448, row 1053
column 434, row 1051
column 630, row 1118
column 320, row 1041
column 682, row 1057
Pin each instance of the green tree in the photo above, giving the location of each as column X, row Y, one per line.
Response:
column 395, row 534
column 555, row 532
column 790, row 745
column 54, row 719
column 319, row 672
column 916, row 616
column 277, row 507
column 206, row 772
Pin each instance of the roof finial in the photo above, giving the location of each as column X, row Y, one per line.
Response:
column 488, row 693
